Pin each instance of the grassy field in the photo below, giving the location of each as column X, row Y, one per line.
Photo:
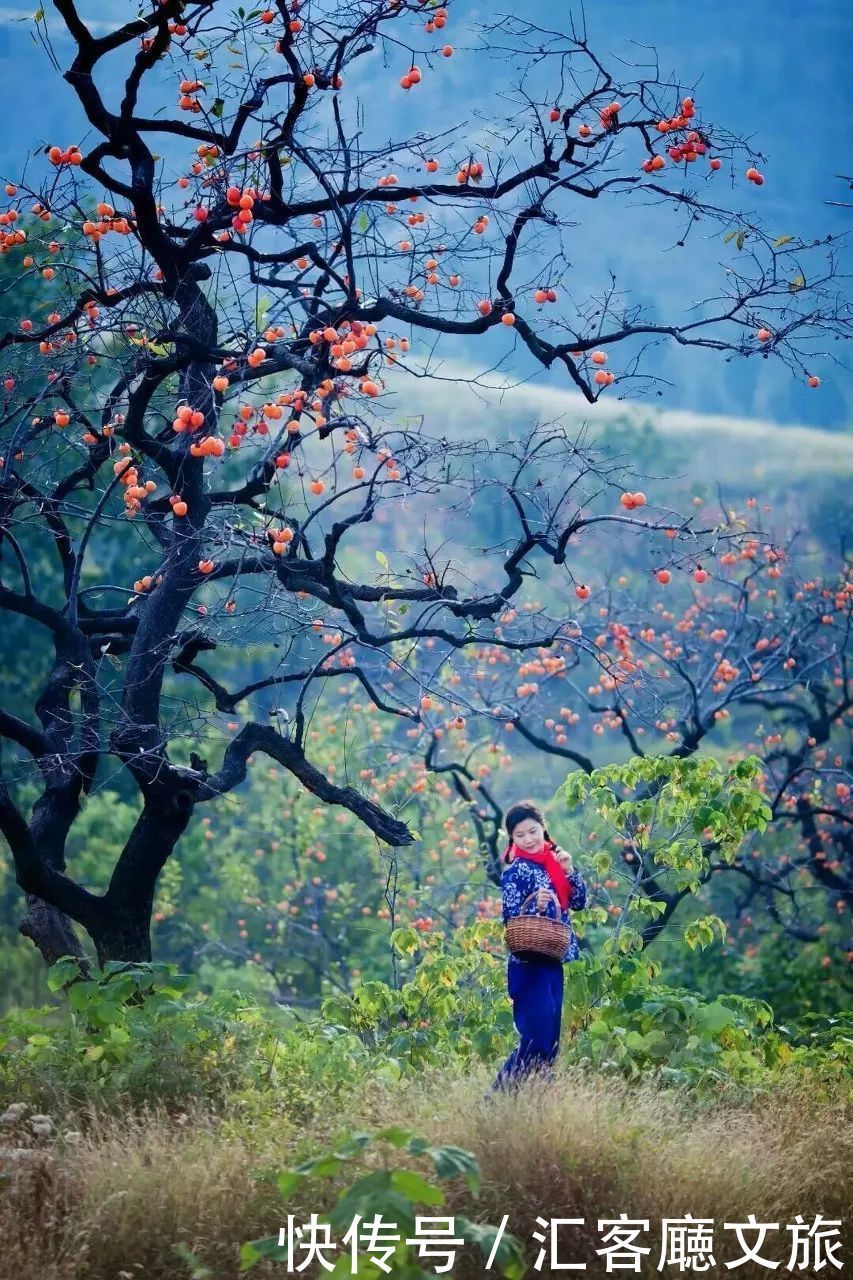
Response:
column 108, row 1199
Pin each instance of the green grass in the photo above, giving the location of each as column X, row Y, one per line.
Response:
column 112, row 1198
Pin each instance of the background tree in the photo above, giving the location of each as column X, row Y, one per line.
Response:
column 687, row 673
column 276, row 255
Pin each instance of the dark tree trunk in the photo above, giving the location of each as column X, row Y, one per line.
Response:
column 122, row 930
column 125, row 936
column 49, row 928
column 119, row 922
column 52, row 933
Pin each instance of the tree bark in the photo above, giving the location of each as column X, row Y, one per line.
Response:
column 52, row 933
column 126, row 935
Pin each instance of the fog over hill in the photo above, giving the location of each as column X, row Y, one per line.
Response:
column 711, row 447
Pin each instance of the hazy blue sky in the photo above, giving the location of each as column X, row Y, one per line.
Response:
column 774, row 73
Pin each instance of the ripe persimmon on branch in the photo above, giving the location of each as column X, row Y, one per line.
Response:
column 229, row 261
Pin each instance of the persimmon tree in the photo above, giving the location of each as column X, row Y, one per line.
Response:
column 734, row 654
column 291, row 888
column 241, row 276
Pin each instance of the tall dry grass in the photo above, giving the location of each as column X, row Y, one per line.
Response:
column 111, row 1204
column 589, row 1146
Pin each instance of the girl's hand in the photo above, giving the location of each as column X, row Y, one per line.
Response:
column 543, row 899
column 565, row 860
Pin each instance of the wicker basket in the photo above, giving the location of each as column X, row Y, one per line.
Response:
column 537, row 933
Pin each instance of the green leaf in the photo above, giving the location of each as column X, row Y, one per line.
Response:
column 416, row 1188
column 370, row 1193
column 394, row 1134
column 510, row 1252
column 80, row 995
column 798, row 283
column 255, row 1250
column 356, row 1142
column 630, row 940
column 777, row 244
column 287, row 1183
column 714, row 1017
column 64, row 971
column 657, row 1046
column 405, row 941
column 218, row 108
column 451, row 1161
column 363, row 222
column 382, row 558
column 730, row 235
column 324, row 1166
column 261, row 313
column 739, row 239
column 106, row 1011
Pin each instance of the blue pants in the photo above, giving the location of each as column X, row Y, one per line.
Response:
column 535, row 985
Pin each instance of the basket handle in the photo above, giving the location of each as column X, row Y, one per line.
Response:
column 533, row 895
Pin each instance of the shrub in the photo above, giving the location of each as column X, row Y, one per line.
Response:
column 138, row 1036
column 377, row 1193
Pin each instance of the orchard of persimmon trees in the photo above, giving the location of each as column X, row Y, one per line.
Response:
column 218, row 527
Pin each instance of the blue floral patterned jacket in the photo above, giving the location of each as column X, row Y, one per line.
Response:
column 521, row 878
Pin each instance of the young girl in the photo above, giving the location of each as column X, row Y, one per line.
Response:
column 535, row 864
